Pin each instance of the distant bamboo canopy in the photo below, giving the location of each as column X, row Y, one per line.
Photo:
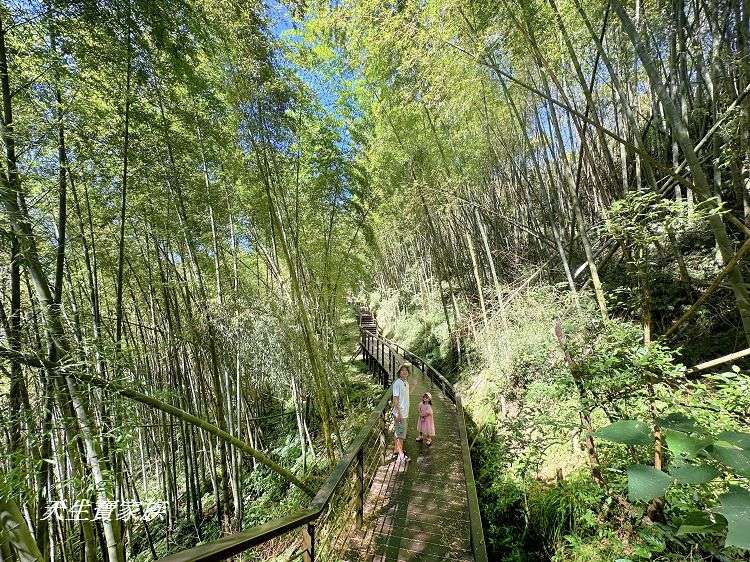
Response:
column 529, row 127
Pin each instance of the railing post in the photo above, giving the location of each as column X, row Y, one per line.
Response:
column 369, row 353
column 308, row 543
column 360, row 487
column 383, row 428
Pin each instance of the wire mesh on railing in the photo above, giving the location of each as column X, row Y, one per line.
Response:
column 325, row 529
column 284, row 548
column 334, row 528
column 338, row 523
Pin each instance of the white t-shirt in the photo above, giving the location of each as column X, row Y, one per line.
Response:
column 401, row 393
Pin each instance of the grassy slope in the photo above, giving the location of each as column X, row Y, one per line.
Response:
column 538, row 499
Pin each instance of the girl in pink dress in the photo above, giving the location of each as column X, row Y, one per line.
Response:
column 426, row 425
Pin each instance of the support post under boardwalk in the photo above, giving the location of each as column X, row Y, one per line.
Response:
column 308, row 543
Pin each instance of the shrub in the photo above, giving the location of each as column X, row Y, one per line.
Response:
column 566, row 507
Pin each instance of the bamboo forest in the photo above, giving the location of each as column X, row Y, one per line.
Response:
column 382, row 280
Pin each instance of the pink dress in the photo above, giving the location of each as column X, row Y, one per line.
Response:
column 426, row 424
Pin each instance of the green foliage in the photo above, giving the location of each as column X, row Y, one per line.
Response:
column 642, row 218
column 616, row 364
column 693, row 473
column 630, row 432
column 569, row 507
column 697, row 522
column 523, row 368
column 737, row 438
column 692, row 442
column 732, row 457
column 605, row 545
column 646, row 483
column 684, row 445
column 735, row 507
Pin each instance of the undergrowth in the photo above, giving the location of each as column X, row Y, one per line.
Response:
column 538, row 498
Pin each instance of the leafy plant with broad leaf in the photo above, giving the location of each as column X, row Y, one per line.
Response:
column 697, row 457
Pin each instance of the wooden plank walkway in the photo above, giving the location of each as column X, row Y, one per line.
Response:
column 418, row 510
column 422, row 509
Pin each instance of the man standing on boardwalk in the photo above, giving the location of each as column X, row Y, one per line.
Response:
column 401, row 409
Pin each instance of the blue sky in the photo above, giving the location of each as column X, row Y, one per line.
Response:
column 327, row 88
column 282, row 28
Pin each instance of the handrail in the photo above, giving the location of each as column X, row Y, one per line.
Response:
column 323, row 497
column 305, row 519
column 231, row 545
column 427, row 368
column 475, row 520
column 475, row 516
column 228, row 546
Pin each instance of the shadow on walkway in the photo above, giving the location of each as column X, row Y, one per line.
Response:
column 417, row 510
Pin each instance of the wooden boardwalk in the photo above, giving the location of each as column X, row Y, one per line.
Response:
column 417, row 510
column 373, row 507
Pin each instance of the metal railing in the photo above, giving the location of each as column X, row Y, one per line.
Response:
column 325, row 524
